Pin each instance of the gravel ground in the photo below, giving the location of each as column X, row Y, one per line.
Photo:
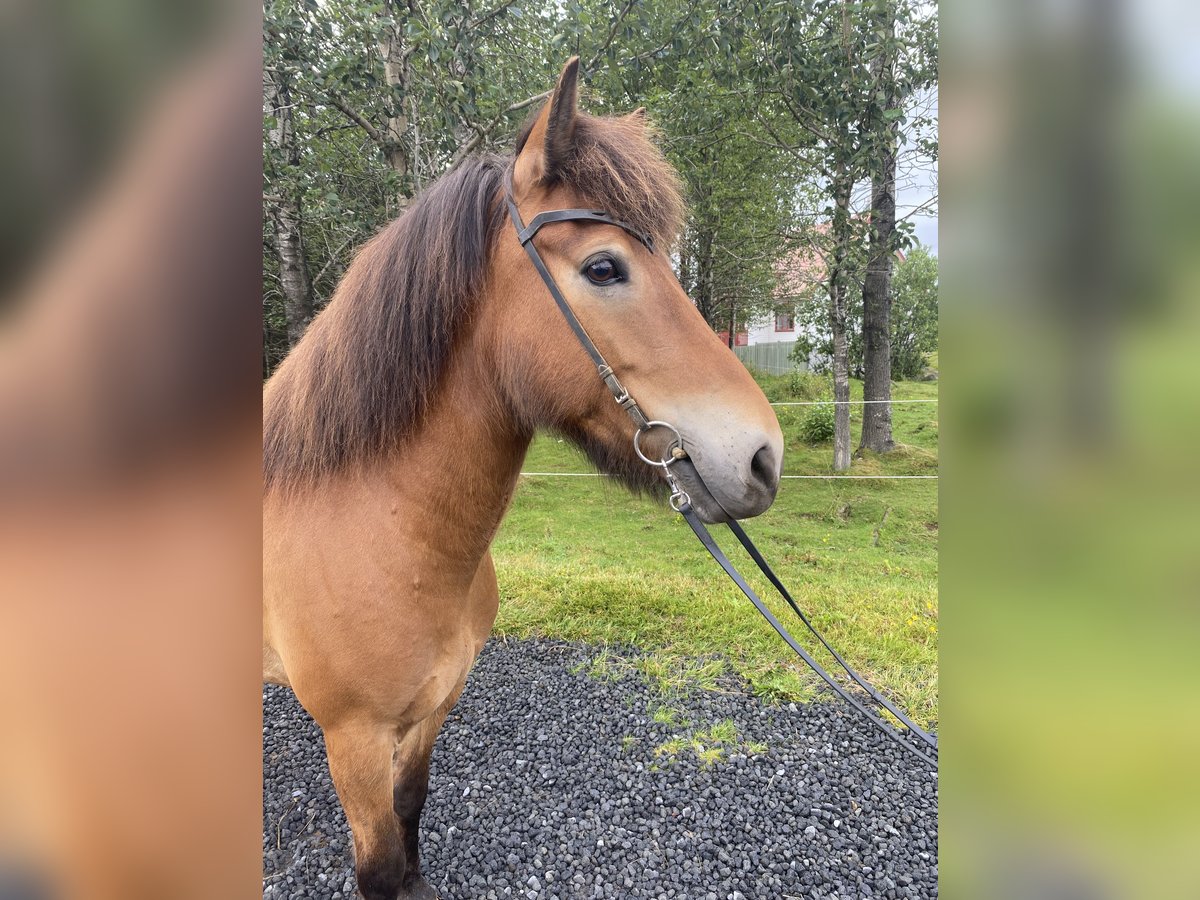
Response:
column 546, row 784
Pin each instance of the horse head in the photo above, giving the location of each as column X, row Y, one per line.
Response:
column 618, row 281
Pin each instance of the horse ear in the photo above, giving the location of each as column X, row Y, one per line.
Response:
column 560, row 124
column 546, row 144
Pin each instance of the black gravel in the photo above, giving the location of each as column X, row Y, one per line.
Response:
column 545, row 784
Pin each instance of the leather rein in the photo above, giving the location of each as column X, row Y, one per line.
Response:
column 680, row 501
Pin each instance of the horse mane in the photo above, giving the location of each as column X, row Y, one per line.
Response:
column 364, row 372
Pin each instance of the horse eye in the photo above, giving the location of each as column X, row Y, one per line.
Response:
column 602, row 271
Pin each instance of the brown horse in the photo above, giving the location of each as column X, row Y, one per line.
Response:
column 395, row 432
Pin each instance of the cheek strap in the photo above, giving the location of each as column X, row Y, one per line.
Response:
column 525, row 235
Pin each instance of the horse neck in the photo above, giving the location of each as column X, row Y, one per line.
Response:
column 456, row 473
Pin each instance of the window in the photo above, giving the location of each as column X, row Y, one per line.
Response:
column 785, row 321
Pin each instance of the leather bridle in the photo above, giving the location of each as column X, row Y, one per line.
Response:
column 679, row 500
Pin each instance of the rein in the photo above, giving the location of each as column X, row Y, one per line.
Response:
column 680, row 501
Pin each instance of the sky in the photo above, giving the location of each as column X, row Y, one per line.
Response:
column 913, row 195
column 916, row 184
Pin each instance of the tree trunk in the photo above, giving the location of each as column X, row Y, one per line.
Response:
column 841, row 380
column 685, row 268
column 293, row 271
column 877, row 322
column 288, row 239
column 704, row 278
column 842, row 185
column 395, row 71
column 877, row 286
column 732, row 322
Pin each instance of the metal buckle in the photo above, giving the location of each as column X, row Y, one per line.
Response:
column 679, row 497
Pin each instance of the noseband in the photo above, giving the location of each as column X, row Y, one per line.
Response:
column 680, row 501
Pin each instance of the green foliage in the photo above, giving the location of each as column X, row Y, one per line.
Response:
column 794, row 386
column 807, row 386
column 709, row 745
column 914, row 319
column 667, row 715
column 817, row 425
column 757, row 106
column 914, row 313
column 740, row 190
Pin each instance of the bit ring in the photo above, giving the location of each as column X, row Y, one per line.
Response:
column 669, row 459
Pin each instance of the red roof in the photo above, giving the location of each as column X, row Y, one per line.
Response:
column 803, row 269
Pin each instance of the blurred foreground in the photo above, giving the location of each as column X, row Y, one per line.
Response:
column 129, row 455
column 1071, row 579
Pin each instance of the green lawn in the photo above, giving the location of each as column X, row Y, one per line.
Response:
column 580, row 558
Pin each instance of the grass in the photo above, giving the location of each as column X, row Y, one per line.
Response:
column 663, row 714
column 581, row 559
column 709, row 745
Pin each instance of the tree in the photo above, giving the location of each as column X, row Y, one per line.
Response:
column 283, row 201
column 904, row 61
column 812, row 64
column 914, row 313
column 913, row 325
column 738, row 218
column 692, row 70
column 838, row 291
column 820, row 59
column 880, row 123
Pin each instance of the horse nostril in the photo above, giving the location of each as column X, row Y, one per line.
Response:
column 762, row 468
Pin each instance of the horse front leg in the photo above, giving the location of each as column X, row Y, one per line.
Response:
column 360, row 762
column 410, row 785
column 410, row 761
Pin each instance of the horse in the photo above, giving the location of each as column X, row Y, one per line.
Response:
column 395, row 430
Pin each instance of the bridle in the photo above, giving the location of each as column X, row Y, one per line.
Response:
column 526, row 234
column 679, row 499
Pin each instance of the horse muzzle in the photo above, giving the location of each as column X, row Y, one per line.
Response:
column 734, row 475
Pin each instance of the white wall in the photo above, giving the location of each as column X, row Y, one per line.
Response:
column 763, row 332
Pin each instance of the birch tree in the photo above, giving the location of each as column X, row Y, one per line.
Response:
column 283, row 199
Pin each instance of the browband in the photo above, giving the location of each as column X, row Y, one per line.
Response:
column 525, row 235
column 525, row 232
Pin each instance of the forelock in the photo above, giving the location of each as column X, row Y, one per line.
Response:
column 616, row 165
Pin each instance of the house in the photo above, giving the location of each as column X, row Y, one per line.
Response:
column 768, row 341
